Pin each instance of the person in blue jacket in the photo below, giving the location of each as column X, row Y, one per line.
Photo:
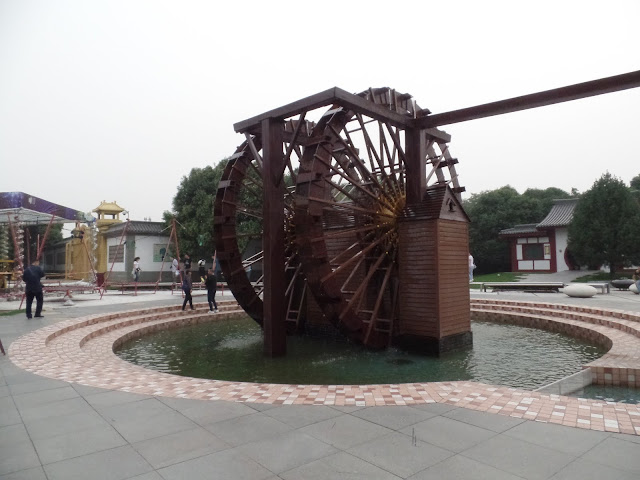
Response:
column 33, row 288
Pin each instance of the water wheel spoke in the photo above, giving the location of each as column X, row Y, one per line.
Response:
column 368, row 179
column 254, row 151
column 350, row 231
column 378, row 166
column 396, row 153
column 359, row 254
column 343, row 207
column 344, row 288
column 377, row 305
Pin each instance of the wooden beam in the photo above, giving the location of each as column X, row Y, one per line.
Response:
column 367, row 107
column 273, row 240
column 331, row 96
column 416, row 176
column 534, row 100
column 318, row 100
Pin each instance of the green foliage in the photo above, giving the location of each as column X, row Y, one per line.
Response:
column 495, row 277
column 492, row 211
column 193, row 210
column 635, row 188
column 606, row 225
column 601, row 277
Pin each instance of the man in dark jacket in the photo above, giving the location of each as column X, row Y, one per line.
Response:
column 211, row 283
column 33, row 287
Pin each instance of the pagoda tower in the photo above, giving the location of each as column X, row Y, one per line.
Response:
column 108, row 214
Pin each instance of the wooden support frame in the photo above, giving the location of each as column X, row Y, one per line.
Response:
column 422, row 162
column 275, row 339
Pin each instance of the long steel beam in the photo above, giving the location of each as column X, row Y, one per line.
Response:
column 540, row 99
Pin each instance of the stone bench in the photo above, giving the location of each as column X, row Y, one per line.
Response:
column 525, row 286
column 604, row 287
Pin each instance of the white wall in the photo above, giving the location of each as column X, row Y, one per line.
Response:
column 562, row 240
column 144, row 250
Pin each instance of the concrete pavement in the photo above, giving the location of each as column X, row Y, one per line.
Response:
column 51, row 429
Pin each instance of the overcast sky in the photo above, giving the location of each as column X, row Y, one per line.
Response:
column 118, row 100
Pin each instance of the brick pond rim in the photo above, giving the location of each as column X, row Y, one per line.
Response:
column 81, row 351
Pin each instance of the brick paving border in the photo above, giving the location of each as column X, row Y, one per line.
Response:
column 81, row 351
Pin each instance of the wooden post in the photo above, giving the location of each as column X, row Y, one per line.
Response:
column 416, row 175
column 275, row 339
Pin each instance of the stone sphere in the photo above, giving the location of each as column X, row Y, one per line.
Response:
column 580, row 290
column 633, row 288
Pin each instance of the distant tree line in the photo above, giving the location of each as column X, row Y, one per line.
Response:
column 604, row 230
column 605, row 227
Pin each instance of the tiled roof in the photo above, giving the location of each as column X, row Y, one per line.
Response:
column 560, row 214
column 432, row 203
column 520, row 229
column 139, row 228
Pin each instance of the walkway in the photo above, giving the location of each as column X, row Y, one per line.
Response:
column 52, row 428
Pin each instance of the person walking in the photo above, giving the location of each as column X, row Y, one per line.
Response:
column 636, row 278
column 136, row 269
column 175, row 270
column 211, row 283
column 202, row 272
column 187, row 262
column 472, row 267
column 186, row 288
column 33, row 288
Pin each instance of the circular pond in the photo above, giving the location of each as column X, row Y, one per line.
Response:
column 232, row 350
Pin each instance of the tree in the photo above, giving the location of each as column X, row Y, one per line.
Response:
column 634, row 185
column 492, row 211
column 545, row 198
column 193, row 210
column 606, row 225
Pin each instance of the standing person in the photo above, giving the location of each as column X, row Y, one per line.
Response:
column 187, row 262
column 211, row 284
column 186, row 288
column 33, row 288
column 175, row 270
column 472, row 267
column 636, row 278
column 201, row 270
column 136, row 269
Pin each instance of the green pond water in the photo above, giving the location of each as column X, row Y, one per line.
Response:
column 232, row 350
column 609, row 394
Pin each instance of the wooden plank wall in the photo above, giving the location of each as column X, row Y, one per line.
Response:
column 453, row 278
column 417, row 262
column 434, row 289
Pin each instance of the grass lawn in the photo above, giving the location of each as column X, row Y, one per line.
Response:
column 601, row 277
column 495, row 277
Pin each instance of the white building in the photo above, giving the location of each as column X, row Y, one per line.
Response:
column 542, row 247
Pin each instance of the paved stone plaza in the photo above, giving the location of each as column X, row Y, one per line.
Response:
column 59, row 425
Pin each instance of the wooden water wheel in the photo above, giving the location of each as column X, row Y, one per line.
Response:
column 376, row 204
column 350, row 195
column 238, row 226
